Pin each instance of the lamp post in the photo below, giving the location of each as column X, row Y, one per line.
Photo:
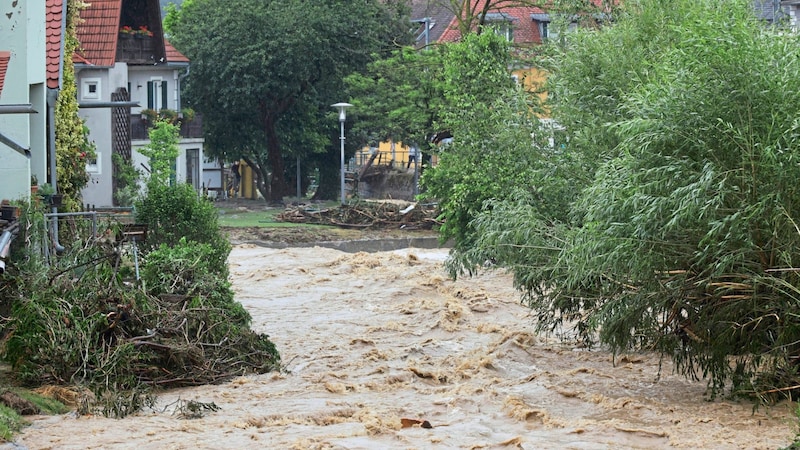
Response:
column 342, row 107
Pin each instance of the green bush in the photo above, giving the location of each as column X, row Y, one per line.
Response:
column 176, row 212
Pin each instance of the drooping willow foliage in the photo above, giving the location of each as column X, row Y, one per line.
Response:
column 686, row 238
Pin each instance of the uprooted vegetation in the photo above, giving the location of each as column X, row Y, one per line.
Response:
column 121, row 317
column 367, row 214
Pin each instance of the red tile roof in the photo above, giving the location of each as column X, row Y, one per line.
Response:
column 524, row 29
column 446, row 30
column 98, row 33
column 54, row 25
column 174, row 55
column 5, row 56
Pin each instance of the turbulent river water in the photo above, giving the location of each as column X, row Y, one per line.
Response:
column 383, row 351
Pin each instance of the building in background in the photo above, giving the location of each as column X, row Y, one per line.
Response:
column 127, row 73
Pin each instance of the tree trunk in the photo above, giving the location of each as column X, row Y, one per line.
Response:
column 278, row 186
column 329, row 176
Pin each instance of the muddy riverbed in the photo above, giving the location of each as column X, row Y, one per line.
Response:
column 383, row 351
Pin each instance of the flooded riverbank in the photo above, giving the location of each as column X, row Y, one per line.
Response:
column 381, row 350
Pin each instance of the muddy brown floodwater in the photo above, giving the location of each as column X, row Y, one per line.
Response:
column 383, row 351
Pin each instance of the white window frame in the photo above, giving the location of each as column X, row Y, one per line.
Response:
column 94, row 167
column 544, row 30
column 158, row 101
column 86, row 89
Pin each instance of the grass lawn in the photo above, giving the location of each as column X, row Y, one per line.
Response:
column 256, row 214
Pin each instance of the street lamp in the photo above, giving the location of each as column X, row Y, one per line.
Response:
column 342, row 107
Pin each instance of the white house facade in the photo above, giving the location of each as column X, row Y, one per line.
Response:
column 128, row 67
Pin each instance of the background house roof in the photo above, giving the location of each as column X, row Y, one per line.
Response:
column 54, row 30
column 5, row 56
column 445, row 29
column 439, row 14
column 173, row 55
column 99, row 31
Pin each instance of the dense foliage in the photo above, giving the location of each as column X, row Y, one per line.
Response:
column 175, row 213
column 271, row 99
column 683, row 137
column 498, row 140
column 398, row 98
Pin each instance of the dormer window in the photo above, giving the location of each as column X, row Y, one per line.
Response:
column 501, row 24
column 548, row 31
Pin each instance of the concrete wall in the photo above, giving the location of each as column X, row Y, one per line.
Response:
column 98, row 120
column 395, row 185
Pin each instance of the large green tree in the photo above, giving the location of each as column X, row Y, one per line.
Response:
column 398, row 98
column 264, row 73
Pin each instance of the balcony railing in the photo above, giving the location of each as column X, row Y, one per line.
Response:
column 140, row 127
column 137, row 49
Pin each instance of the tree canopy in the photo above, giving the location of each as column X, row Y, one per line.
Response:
column 264, row 73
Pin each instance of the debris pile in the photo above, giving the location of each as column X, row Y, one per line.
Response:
column 367, row 214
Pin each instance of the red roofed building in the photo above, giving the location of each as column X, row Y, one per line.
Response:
column 521, row 25
column 443, row 21
column 126, row 66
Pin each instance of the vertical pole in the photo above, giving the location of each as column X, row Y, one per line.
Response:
column 298, row 178
column 135, row 258
column 341, row 140
column 417, row 159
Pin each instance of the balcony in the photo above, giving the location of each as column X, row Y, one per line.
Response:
column 137, row 49
column 189, row 128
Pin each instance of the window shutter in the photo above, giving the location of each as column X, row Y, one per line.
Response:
column 150, row 95
column 163, row 95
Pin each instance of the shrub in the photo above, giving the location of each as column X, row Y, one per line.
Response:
column 176, row 212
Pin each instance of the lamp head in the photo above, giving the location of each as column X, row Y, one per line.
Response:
column 341, row 107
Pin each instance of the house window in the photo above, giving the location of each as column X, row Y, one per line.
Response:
column 93, row 164
column 549, row 32
column 504, row 30
column 544, row 30
column 156, row 94
column 90, row 89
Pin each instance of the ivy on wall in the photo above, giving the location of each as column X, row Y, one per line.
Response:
column 73, row 147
